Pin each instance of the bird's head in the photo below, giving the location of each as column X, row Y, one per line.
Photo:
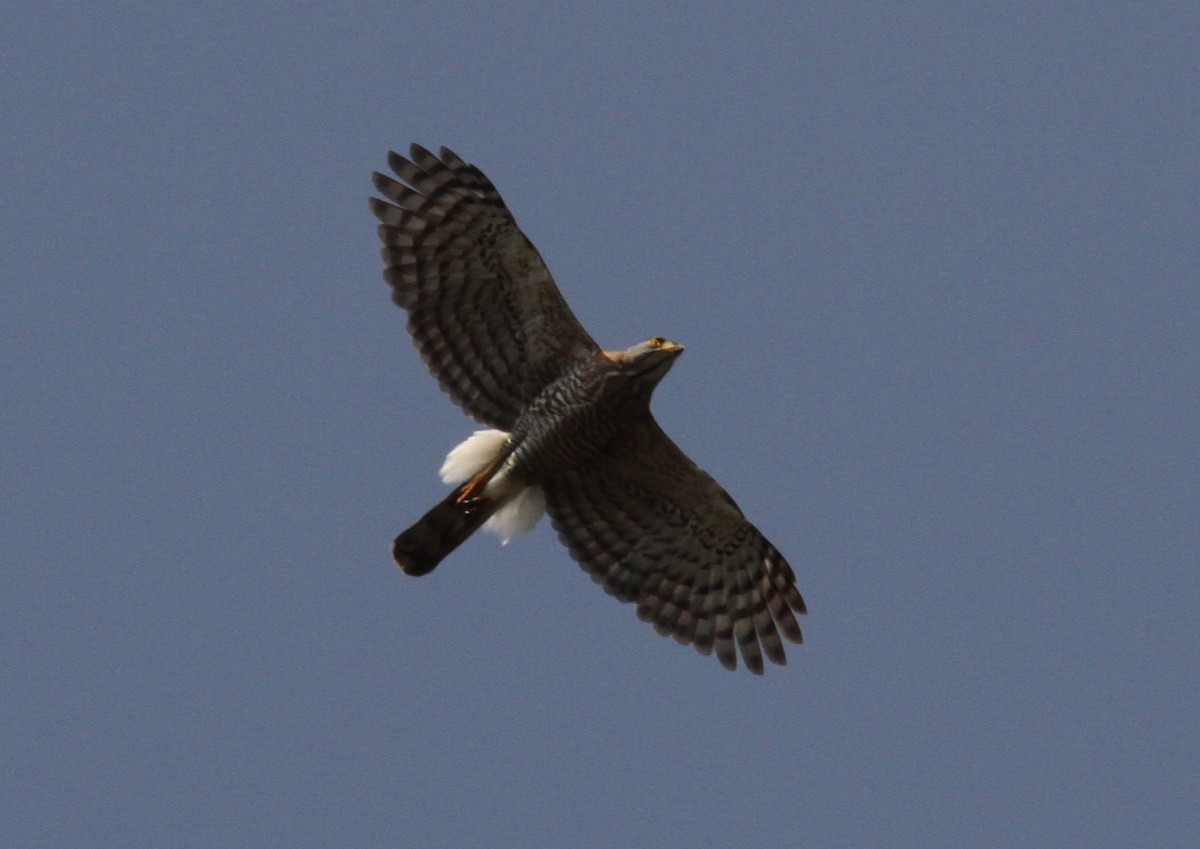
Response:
column 648, row 361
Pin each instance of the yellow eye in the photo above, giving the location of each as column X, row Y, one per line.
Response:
column 657, row 341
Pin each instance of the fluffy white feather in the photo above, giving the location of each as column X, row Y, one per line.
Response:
column 521, row 510
column 468, row 458
column 518, row 515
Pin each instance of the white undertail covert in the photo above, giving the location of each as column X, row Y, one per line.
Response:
column 521, row 508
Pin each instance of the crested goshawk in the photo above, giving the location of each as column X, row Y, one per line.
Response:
column 572, row 433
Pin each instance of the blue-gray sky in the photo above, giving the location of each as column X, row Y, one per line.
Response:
column 937, row 269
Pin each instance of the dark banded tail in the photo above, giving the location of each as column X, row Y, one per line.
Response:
column 444, row 528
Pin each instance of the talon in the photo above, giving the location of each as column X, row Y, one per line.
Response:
column 468, row 501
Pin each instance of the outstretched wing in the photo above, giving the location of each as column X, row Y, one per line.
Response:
column 654, row 529
column 483, row 309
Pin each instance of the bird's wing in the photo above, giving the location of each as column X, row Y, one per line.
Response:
column 483, row 309
column 654, row 529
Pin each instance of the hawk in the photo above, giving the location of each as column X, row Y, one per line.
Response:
column 570, row 430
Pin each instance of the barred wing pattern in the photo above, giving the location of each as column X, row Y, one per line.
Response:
column 654, row 529
column 483, row 309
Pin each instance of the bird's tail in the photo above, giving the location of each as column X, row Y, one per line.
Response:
column 444, row 528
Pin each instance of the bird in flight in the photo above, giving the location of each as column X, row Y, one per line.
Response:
column 569, row 426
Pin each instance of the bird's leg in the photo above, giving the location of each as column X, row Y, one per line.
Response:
column 471, row 496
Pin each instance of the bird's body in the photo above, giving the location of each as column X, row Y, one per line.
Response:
column 571, row 429
column 574, row 417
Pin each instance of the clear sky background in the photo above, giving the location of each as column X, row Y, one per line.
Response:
column 937, row 269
